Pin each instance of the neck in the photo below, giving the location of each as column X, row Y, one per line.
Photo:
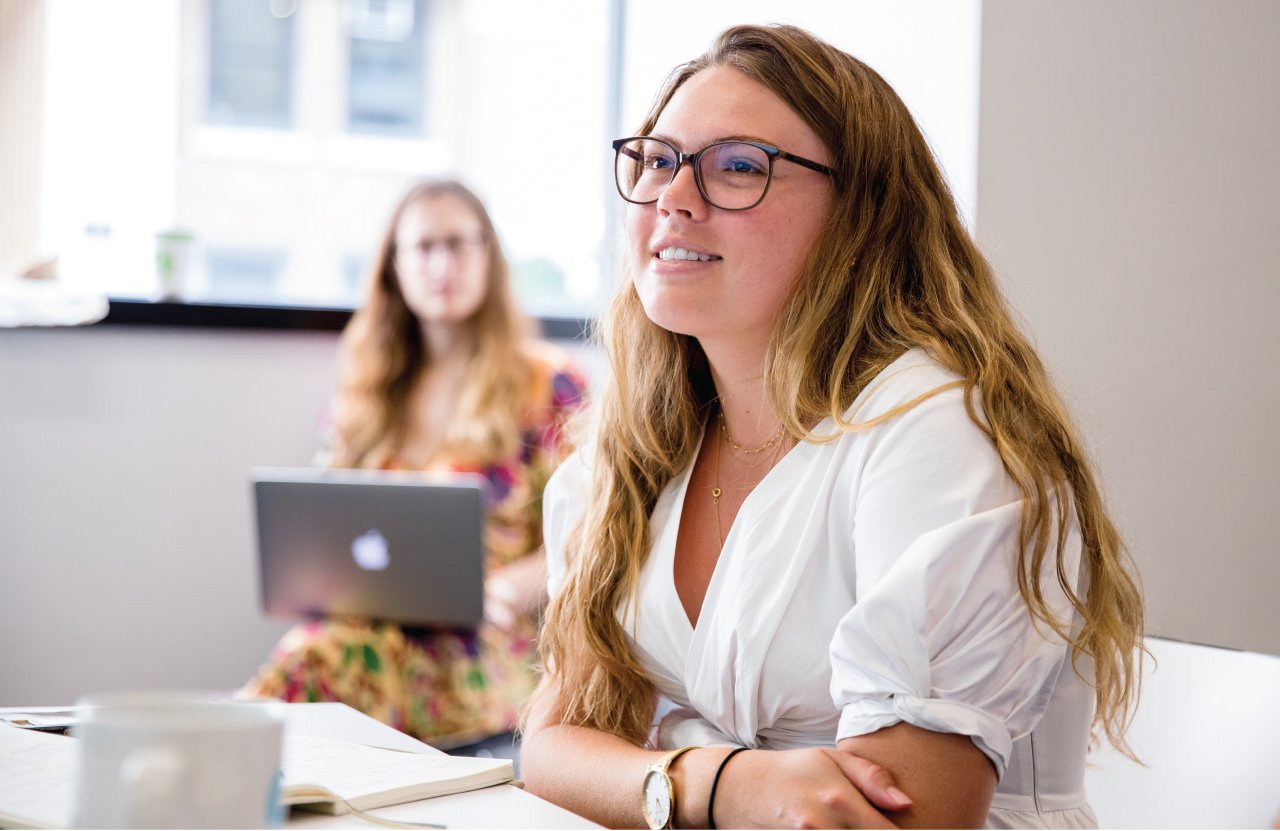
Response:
column 738, row 374
column 447, row 343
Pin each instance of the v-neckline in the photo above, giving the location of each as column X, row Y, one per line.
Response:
column 688, row 628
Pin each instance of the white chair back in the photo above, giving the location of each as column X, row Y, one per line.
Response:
column 1208, row 729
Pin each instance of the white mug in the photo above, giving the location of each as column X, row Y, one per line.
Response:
column 171, row 760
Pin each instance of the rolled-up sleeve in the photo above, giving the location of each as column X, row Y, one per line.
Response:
column 939, row 636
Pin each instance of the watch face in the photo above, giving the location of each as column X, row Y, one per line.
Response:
column 657, row 799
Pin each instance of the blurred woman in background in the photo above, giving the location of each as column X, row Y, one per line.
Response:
column 439, row 373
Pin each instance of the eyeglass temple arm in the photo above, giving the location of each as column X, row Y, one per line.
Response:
column 627, row 151
column 803, row 162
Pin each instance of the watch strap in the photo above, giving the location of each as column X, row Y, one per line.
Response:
column 661, row 766
column 665, row 762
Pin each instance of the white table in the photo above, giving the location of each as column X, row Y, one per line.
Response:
column 501, row 806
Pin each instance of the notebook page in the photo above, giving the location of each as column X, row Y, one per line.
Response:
column 359, row 773
column 37, row 778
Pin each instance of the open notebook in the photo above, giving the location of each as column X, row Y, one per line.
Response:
column 37, row 773
column 334, row 777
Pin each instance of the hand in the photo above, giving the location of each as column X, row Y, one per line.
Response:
column 810, row 788
column 515, row 593
column 499, row 613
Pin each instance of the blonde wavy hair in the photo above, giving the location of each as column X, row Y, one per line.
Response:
column 893, row 269
column 383, row 353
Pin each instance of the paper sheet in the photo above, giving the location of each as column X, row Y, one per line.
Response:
column 37, row 775
column 353, row 771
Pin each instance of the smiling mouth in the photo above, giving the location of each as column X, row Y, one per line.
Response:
column 673, row 253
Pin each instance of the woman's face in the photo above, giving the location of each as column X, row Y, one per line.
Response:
column 756, row 254
column 442, row 259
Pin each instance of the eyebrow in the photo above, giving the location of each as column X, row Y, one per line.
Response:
column 740, row 137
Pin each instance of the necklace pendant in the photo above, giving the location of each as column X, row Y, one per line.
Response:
column 715, row 493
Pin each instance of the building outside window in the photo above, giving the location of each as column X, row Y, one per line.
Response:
column 250, row 64
column 386, row 67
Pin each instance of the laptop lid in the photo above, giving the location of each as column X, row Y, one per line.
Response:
column 401, row 547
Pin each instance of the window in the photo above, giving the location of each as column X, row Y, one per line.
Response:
column 386, row 67
column 250, row 64
column 244, row 275
column 355, row 269
column 293, row 127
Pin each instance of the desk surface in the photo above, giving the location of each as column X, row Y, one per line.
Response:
column 502, row 806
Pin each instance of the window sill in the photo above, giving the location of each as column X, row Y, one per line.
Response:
column 207, row 315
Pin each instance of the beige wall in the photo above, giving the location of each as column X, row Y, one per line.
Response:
column 126, row 548
column 1129, row 193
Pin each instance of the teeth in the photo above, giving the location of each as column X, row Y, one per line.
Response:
column 684, row 254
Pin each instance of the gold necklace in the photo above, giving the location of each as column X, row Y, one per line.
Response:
column 750, row 451
column 717, row 491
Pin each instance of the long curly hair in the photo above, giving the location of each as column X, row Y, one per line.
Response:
column 893, row 269
column 383, row 353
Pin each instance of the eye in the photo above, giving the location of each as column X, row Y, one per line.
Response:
column 741, row 164
column 658, row 161
column 735, row 161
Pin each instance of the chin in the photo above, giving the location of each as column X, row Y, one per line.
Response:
column 675, row 318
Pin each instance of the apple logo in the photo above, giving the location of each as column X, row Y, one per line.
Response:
column 370, row 551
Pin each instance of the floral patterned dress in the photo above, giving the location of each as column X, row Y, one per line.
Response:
column 443, row 686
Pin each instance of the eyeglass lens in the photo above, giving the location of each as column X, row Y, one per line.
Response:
column 733, row 175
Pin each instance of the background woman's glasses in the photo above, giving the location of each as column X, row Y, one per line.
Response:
column 454, row 246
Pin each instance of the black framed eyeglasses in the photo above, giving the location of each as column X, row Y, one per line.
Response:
column 730, row 175
column 456, row 246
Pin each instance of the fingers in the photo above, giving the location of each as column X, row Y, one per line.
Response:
column 499, row 614
column 875, row 783
column 804, row 788
column 852, row 814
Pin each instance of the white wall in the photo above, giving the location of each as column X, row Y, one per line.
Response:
column 126, row 548
column 1129, row 193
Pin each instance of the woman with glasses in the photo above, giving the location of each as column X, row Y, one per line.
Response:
column 438, row 373
column 832, row 555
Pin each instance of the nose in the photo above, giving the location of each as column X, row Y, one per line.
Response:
column 438, row 260
column 681, row 195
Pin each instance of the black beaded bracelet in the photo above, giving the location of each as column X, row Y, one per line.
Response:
column 711, row 800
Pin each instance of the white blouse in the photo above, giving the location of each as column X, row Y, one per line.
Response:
column 867, row 581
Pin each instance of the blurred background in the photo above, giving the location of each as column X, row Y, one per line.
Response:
column 280, row 132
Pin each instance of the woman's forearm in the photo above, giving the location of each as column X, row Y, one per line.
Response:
column 950, row 780
column 589, row 772
column 599, row 776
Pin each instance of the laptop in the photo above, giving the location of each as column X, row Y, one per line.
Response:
column 407, row 548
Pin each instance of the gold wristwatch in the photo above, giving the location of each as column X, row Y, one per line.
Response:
column 659, row 792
